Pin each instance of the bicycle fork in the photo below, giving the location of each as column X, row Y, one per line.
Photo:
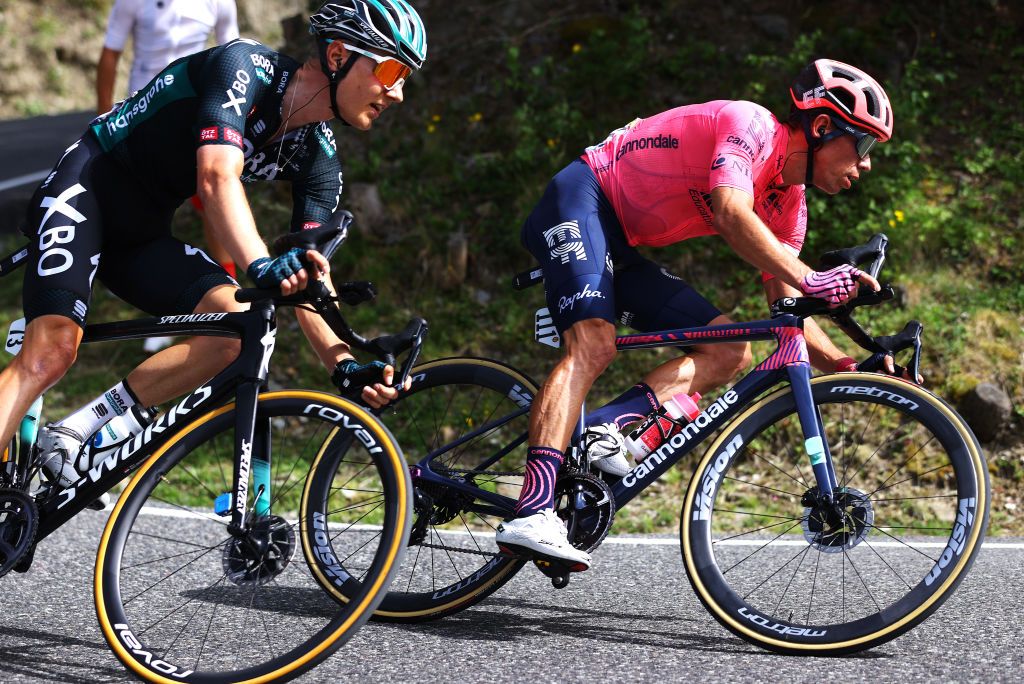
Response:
column 813, row 429
column 252, row 436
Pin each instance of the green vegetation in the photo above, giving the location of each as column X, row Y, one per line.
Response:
column 500, row 109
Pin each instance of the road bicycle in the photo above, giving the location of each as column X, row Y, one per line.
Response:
column 196, row 578
column 829, row 514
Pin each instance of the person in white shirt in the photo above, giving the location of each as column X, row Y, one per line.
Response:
column 161, row 32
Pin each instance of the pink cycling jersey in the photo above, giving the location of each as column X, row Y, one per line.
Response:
column 658, row 172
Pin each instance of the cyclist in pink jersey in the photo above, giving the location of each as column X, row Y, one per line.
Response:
column 727, row 168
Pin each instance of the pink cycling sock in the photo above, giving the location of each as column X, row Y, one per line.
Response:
column 542, row 464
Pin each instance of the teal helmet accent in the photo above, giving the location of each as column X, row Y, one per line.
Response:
column 388, row 27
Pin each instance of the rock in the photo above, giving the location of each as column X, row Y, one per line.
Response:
column 986, row 408
column 457, row 264
column 365, row 203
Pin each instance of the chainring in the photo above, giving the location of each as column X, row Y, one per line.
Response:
column 587, row 506
column 261, row 553
column 19, row 523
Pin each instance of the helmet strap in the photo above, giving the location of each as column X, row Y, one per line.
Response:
column 812, row 146
column 335, row 77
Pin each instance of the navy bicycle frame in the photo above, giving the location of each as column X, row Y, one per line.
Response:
column 789, row 361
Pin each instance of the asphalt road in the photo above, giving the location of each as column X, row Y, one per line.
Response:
column 633, row 617
column 28, row 150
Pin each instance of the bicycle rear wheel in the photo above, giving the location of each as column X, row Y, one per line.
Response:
column 796, row 576
column 181, row 597
column 453, row 561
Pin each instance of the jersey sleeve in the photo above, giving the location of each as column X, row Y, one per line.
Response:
column 232, row 80
column 119, row 24
column 740, row 137
column 317, row 183
column 226, row 28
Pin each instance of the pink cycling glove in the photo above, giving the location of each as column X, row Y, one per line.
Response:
column 834, row 286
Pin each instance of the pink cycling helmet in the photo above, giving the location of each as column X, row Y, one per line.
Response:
column 837, row 88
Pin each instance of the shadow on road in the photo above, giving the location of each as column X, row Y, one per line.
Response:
column 43, row 655
column 632, row 629
column 295, row 601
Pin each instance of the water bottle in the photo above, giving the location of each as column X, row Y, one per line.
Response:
column 117, row 431
column 656, row 428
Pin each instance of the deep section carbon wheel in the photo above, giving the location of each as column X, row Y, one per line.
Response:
column 795, row 572
column 472, row 414
column 182, row 596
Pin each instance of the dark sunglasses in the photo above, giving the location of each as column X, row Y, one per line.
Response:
column 865, row 142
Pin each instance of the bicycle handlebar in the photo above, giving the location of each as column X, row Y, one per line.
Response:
column 872, row 252
column 326, row 239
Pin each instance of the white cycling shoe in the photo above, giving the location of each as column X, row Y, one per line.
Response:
column 541, row 534
column 61, row 449
column 606, row 449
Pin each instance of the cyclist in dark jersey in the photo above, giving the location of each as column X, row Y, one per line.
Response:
column 207, row 123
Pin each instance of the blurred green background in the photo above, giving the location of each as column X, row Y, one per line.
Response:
column 512, row 91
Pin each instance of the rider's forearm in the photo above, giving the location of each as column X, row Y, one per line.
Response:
column 824, row 354
column 325, row 343
column 230, row 218
column 747, row 235
column 106, row 73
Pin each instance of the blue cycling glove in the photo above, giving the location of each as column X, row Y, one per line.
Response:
column 350, row 377
column 268, row 273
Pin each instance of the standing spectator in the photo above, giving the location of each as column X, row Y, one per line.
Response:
column 162, row 31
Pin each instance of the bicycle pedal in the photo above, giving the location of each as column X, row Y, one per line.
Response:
column 552, row 567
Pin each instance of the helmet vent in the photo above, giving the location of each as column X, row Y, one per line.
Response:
column 873, row 107
column 843, row 74
column 845, row 97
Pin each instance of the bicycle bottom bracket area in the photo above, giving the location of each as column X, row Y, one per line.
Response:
column 19, row 520
column 587, row 506
column 838, row 525
column 260, row 553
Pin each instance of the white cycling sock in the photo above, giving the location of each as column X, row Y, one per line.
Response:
column 114, row 402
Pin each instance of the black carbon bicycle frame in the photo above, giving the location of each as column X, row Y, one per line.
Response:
column 789, row 362
column 243, row 377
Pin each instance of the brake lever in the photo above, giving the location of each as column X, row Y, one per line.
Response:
column 909, row 337
column 387, row 347
column 414, row 355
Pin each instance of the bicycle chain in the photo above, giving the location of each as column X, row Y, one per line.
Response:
column 460, row 471
column 442, row 547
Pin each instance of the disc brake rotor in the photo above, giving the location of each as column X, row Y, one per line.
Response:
column 261, row 554
column 841, row 526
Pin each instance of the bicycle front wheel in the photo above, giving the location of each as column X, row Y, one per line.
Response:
column 183, row 597
column 797, row 576
column 473, row 415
